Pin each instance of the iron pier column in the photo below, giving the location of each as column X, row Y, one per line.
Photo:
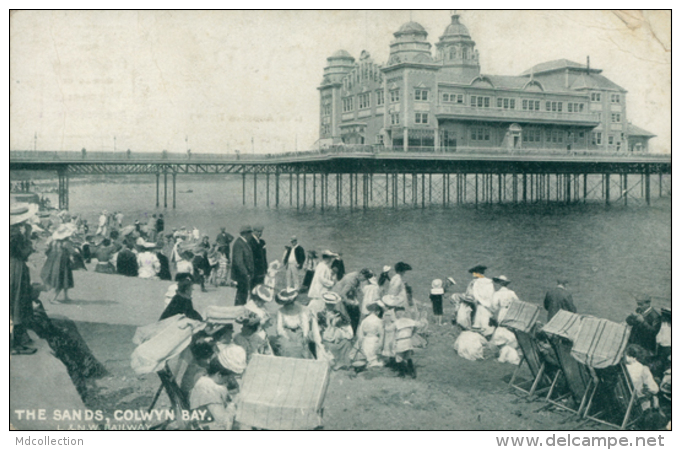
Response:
column 243, row 188
column 624, row 191
column 267, row 188
column 304, row 190
column 648, row 186
column 607, row 188
column 158, row 179
column 290, row 189
column 423, row 190
column 255, row 189
column 276, row 188
column 585, row 189
column 174, row 179
column 352, row 187
column 165, row 188
column 297, row 190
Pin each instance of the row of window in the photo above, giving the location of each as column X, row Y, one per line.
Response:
column 596, row 97
column 421, row 118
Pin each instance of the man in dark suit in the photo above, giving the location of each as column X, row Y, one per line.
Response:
column 559, row 298
column 645, row 324
column 223, row 240
column 242, row 266
column 257, row 244
column 293, row 260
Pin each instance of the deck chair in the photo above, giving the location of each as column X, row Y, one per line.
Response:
column 562, row 330
column 600, row 346
column 520, row 319
column 279, row 393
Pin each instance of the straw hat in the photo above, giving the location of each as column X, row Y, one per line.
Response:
column 502, row 280
column 478, row 269
column 232, row 357
column 331, row 298
column 436, row 287
column 329, row 253
column 386, row 269
column 150, row 245
column 287, row 296
column 391, row 301
column 402, row 267
column 21, row 212
column 65, row 230
column 264, row 293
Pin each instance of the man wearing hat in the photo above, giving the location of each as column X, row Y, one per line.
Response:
column 502, row 298
column 294, row 258
column 559, row 298
column 242, row 265
column 645, row 324
column 259, row 254
column 20, row 248
column 223, row 240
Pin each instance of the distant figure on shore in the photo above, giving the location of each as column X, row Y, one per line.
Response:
column 102, row 224
column 242, row 265
column 645, row 324
column 559, row 298
column 160, row 225
column 294, row 258
column 223, row 240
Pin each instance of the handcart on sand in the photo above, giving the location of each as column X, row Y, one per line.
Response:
column 275, row 393
column 600, row 346
column 521, row 319
column 562, row 331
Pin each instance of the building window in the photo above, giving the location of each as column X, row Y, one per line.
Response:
column 380, row 98
column 616, row 118
column 364, row 100
column 457, row 98
column 531, row 135
column 421, row 94
column 595, row 96
column 395, row 95
column 611, row 139
column 326, row 109
column 379, row 139
column 348, row 104
column 554, row 106
column 615, row 98
column 480, row 102
column 394, row 119
column 575, row 107
column 421, row 118
column 480, row 134
column 531, row 105
column 556, row 136
column 506, row 103
column 596, row 138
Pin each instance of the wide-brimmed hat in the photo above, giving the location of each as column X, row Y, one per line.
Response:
column 468, row 298
column 666, row 313
column 386, row 269
column 294, row 238
column 150, row 245
column 392, row 301
column 478, row 269
column 264, row 293
column 21, row 212
column 312, row 253
column 248, row 319
column 436, row 287
column 286, row 296
column 232, row 357
column 366, row 273
column 258, row 227
column 331, row 298
column 502, row 280
column 63, row 231
column 402, row 267
column 245, row 229
column 329, row 253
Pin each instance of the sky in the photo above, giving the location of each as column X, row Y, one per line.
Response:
column 220, row 81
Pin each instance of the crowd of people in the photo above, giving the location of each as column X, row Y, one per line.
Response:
column 357, row 320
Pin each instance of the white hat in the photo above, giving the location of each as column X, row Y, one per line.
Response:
column 65, row 230
column 20, row 212
column 436, row 286
column 328, row 253
column 331, row 298
column 392, row 301
column 501, row 279
column 232, row 357
column 386, row 269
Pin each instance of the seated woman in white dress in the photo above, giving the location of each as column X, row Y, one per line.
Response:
column 211, row 390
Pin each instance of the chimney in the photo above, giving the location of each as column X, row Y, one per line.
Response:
column 588, row 65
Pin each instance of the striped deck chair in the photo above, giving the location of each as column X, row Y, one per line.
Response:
column 600, row 345
column 562, row 330
column 520, row 319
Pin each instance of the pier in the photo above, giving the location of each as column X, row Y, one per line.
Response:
column 361, row 177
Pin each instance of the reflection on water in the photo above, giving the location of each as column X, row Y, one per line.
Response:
column 609, row 254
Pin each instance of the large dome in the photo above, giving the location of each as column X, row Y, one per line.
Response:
column 411, row 28
column 341, row 54
column 456, row 28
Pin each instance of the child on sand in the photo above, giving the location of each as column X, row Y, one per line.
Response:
column 404, row 330
column 436, row 294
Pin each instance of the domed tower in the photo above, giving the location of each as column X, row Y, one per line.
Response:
column 338, row 66
column 456, row 51
column 410, row 45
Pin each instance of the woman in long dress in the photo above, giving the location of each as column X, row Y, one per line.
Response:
column 57, row 272
column 323, row 279
column 20, row 247
column 397, row 286
column 293, row 327
column 370, row 335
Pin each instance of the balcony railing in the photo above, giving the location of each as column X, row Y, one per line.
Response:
column 521, row 115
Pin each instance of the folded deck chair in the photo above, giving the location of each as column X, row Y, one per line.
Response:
column 600, row 345
column 520, row 319
column 279, row 393
column 562, row 330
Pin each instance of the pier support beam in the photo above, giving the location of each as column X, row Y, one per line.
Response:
column 267, row 189
column 585, row 189
column 624, row 189
column 174, row 183
column 276, row 190
column 63, row 189
column 165, row 189
column 255, row 189
column 648, row 185
column 607, row 188
column 158, row 181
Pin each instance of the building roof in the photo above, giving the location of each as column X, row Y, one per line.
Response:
column 411, row 28
column 558, row 64
column 633, row 130
column 595, row 81
column 341, row 54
